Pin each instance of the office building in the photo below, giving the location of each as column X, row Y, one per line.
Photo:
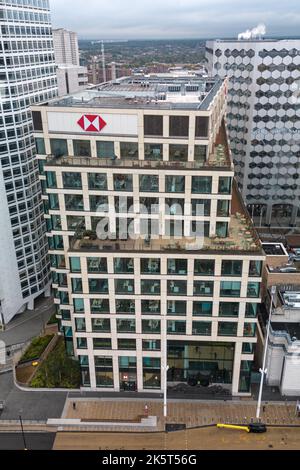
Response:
column 71, row 76
column 263, row 124
column 66, row 47
column 156, row 291
column 27, row 77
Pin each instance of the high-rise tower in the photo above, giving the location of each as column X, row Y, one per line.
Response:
column 28, row 77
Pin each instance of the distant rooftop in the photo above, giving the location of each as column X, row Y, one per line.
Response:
column 176, row 90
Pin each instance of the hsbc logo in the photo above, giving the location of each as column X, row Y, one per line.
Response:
column 91, row 123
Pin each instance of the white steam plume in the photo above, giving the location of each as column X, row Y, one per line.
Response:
column 257, row 32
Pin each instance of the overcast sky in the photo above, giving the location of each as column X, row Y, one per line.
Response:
column 158, row 19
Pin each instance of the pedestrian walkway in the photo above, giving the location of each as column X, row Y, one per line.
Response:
column 190, row 413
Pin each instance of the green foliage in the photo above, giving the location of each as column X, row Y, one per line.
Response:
column 58, row 370
column 53, row 320
column 36, row 348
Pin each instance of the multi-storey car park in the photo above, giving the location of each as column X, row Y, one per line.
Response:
column 130, row 307
column 27, row 72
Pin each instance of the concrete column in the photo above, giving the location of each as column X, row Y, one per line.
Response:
column 236, row 369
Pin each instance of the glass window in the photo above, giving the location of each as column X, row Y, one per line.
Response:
column 101, row 343
column 227, row 329
column 151, row 373
column 51, row 179
column 99, row 203
column 229, row 309
column 105, row 149
column 204, row 288
column 124, row 204
column 59, row 147
column 73, row 222
column 153, row 125
column 205, row 267
column 175, row 184
column 230, row 289
column 222, row 229
column 97, row 265
column 125, row 306
column 99, row 306
column 248, row 348
column 178, row 153
column 201, row 207
column 53, row 202
column 232, row 268
column 223, row 208
column 176, row 307
column 124, row 286
column 75, row 265
column 98, row 286
column 80, row 324
column 174, row 206
column 251, row 310
column 179, row 126
column 177, row 266
column 150, row 287
column 225, row 185
column 72, row 180
column 123, row 182
column 245, row 376
column 126, row 344
column 177, row 287
column 40, row 146
column 77, row 286
column 151, row 326
column 78, row 305
column 202, row 309
column 149, row 183
column 97, row 181
column 202, row 126
column 81, row 343
column 149, row 205
column 150, row 307
column 201, row 328
column 153, row 151
column 124, row 265
column 74, row 202
column 150, row 266
column 37, row 120
column 200, row 153
column 255, row 268
column 201, row 184
column 253, row 289
column 125, row 326
column 82, row 148
column 151, row 345
column 101, row 324
column 56, row 222
column 249, row 329
column 129, row 150
column 175, row 327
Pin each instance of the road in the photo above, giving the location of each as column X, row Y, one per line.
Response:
column 193, row 439
column 28, row 324
column 34, row 441
column 33, row 405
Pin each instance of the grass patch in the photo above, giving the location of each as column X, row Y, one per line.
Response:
column 36, row 349
column 58, row 370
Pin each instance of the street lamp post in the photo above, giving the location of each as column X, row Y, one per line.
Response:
column 263, row 370
column 23, row 434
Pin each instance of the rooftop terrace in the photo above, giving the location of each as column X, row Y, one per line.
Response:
column 241, row 238
column 147, row 92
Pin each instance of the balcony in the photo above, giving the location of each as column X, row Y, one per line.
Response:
column 150, row 287
column 176, row 327
column 177, row 287
column 204, row 289
column 98, row 286
column 201, row 328
column 124, row 286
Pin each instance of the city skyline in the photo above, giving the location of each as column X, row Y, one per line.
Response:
column 185, row 19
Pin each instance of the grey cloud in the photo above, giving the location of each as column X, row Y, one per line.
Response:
column 135, row 19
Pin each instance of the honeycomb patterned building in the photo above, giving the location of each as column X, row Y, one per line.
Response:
column 263, row 123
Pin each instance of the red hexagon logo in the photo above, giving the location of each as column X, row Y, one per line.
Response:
column 91, row 123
